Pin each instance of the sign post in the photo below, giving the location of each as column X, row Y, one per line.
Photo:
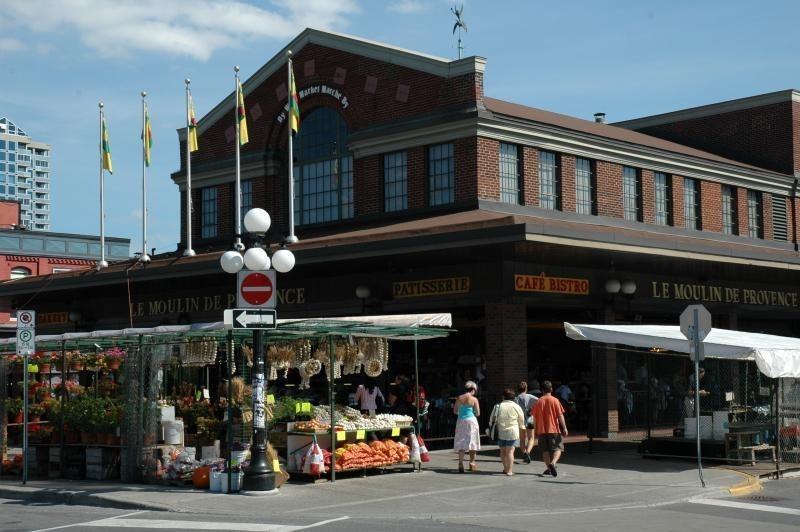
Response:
column 695, row 326
column 26, row 346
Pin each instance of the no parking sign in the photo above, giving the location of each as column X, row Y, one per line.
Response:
column 26, row 332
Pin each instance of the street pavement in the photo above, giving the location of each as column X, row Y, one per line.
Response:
column 592, row 492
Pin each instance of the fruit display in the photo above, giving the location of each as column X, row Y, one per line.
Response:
column 311, row 426
column 373, row 454
column 350, row 419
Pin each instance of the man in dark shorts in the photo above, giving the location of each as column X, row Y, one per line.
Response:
column 551, row 428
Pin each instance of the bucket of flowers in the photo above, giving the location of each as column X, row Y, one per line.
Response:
column 113, row 358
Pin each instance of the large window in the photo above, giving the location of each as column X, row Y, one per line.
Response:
column 755, row 220
column 323, row 173
column 509, row 173
column 691, row 204
column 584, row 187
column 663, row 196
column 631, row 194
column 730, row 222
column 395, row 181
column 208, row 220
column 247, row 196
column 441, row 174
column 19, row 272
column 548, row 181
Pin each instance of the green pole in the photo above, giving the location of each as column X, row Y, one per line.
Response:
column 331, row 399
column 61, row 413
column 230, row 421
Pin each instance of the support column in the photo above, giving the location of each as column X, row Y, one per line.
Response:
column 506, row 346
column 606, row 380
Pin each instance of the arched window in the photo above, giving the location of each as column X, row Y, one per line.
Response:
column 19, row 272
column 323, row 170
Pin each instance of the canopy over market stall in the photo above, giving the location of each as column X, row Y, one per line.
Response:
column 775, row 356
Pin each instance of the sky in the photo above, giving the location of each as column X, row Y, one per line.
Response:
column 627, row 58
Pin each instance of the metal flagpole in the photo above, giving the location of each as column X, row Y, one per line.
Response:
column 189, row 252
column 145, row 257
column 238, row 192
column 291, row 239
column 102, row 262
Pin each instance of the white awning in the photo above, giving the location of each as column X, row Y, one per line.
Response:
column 776, row 356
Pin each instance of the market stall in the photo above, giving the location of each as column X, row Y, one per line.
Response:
column 176, row 399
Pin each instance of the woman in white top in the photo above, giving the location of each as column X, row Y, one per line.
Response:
column 509, row 420
column 368, row 397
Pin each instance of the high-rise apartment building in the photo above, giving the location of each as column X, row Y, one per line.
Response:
column 25, row 175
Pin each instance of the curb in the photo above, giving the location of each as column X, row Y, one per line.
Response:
column 73, row 498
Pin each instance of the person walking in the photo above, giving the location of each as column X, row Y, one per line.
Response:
column 369, row 398
column 510, row 422
column 548, row 415
column 526, row 402
column 467, row 437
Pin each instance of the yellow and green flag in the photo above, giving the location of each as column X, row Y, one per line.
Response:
column 147, row 137
column 294, row 104
column 106, row 149
column 243, row 137
column 192, row 125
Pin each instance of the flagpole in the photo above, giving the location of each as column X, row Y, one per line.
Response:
column 189, row 252
column 102, row 262
column 238, row 192
column 291, row 239
column 145, row 258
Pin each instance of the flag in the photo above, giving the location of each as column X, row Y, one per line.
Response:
column 106, row 148
column 294, row 104
column 147, row 137
column 243, row 137
column 192, row 125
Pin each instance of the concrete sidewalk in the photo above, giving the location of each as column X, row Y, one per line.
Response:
column 608, row 479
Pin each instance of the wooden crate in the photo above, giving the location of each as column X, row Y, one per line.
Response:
column 102, row 463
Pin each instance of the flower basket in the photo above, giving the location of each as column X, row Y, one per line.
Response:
column 44, row 367
column 113, row 358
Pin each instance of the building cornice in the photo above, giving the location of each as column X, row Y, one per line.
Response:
column 729, row 106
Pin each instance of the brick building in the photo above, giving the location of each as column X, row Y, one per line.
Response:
column 411, row 182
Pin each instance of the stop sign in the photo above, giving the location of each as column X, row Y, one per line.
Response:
column 256, row 289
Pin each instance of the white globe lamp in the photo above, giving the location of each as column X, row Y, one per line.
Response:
column 283, row 260
column 629, row 287
column 613, row 286
column 231, row 261
column 257, row 221
column 256, row 259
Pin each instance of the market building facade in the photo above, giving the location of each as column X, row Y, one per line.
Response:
column 428, row 196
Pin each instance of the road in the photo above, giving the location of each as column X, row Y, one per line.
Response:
column 776, row 508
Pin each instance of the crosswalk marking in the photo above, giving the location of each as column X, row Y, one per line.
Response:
column 746, row 506
column 124, row 521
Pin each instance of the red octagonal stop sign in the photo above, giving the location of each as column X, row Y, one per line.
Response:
column 257, row 289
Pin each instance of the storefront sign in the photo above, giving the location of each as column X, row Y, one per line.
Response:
column 324, row 90
column 216, row 303
column 723, row 294
column 53, row 318
column 554, row 285
column 431, row 287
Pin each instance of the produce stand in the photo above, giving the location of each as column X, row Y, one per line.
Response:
column 171, row 370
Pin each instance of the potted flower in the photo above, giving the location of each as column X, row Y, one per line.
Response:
column 113, row 358
column 35, row 412
column 92, row 361
column 75, row 360
column 44, row 360
column 14, row 410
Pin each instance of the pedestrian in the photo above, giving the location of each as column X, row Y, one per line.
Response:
column 510, row 422
column 548, row 415
column 467, row 437
column 526, row 402
column 369, row 398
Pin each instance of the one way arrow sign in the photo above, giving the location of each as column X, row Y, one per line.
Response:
column 248, row 318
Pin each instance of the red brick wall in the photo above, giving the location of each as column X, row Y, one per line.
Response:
column 761, row 136
column 648, row 196
column 9, row 213
column 677, row 201
column 466, row 168
column 506, row 346
column 609, row 189
column 741, row 199
column 368, row 181
column 417, row 177
column 488, row 169
column 567, row 178
column 530, row 176
column 711, row 206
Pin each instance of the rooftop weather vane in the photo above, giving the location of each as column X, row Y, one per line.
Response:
column 458, row 25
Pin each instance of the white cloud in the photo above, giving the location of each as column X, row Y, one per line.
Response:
column 8, row 44
column 177, row 27
column 408, row 7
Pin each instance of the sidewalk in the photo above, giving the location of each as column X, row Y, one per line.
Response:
column 604, row 480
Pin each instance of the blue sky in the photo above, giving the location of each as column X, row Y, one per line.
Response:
column 624, row 57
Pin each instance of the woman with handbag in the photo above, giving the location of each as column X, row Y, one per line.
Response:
column 507, row 420
column 467, row 436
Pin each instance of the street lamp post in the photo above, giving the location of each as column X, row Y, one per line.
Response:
column 259, row 476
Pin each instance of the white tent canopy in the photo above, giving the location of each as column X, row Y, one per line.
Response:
column 776, row 356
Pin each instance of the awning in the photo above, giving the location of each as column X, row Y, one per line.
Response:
column 776, row 356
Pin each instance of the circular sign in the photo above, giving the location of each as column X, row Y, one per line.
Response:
column 25, row 318
column 25, row 336
column 256, row 289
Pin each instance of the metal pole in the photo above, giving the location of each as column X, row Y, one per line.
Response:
column 61, row 412
column 259, row 476
column 331, row 400
column 778, row 428
column 696, row 347
column 229, row 408
column 25, row 420
column 145, row 257
column 238, row 191
column 188, row 252
column 291, row 238
column 102, row 262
